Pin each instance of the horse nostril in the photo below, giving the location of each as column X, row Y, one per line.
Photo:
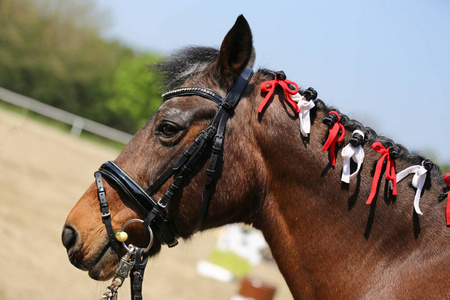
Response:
column 68, row 237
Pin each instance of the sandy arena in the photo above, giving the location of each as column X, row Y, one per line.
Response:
column 43, row 172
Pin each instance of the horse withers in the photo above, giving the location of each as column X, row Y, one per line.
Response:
column 226, row 146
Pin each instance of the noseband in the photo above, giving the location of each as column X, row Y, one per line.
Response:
column 209, row 140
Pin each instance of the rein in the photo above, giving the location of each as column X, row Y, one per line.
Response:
column 157, row 220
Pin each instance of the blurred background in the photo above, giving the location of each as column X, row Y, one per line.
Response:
column 384, row 63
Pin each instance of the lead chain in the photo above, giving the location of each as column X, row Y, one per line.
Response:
column 126, row 264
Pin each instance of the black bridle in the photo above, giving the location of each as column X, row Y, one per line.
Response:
column 209, row 140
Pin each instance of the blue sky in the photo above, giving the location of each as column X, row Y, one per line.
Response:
column 384, row 63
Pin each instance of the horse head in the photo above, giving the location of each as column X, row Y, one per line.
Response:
column 160, row 142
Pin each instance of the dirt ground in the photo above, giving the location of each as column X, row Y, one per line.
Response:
column 43, row 172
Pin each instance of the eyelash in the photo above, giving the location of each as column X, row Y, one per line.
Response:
column 169, row 130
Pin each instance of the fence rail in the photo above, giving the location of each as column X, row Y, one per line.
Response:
column 78, row 123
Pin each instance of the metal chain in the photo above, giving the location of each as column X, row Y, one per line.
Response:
column 112, row 290
column 126, row 264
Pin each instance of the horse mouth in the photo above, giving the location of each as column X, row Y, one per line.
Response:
column 101, row 260
column 104, row 266
column 100, row 266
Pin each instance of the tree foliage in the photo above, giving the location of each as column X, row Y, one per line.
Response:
column 134, row 85
column 53, row 51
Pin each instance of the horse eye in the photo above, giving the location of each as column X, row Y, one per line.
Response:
column 169, row 130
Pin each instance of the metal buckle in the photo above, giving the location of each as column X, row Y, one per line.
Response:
column 162, row 204
column 227, row 106
column 173, row 244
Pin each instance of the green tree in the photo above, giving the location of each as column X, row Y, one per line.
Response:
column 136, row 92
column 47, row 54
column 52, row 50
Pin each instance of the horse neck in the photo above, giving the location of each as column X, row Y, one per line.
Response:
column 317, row 227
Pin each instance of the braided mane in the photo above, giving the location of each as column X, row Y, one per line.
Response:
column 191, row 61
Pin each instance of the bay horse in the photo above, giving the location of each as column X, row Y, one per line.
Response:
column 332, row 238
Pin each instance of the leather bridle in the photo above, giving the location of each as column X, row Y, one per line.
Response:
column 211, row 140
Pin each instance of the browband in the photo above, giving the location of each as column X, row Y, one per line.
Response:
column 194, row 91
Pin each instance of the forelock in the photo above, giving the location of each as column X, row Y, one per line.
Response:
column 184, row 64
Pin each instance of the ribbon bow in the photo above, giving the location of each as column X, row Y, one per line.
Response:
column 420, row 175
column 447, row 181
column 304, row 107
column 333, row 137
column 355, row 153
column 269, row 86
column 389, row 173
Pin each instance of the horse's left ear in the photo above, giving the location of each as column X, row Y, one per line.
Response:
column 236, row 52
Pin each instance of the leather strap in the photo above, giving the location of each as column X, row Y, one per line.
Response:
column 193, row 161
column 211, row 174
column 166, row 233
column 230, row 103
column 215, row 132
column 176, row 165
column 104, row 210
column 238, row 88
column 137, row 274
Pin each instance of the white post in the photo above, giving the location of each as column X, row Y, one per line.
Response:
column 77, row 126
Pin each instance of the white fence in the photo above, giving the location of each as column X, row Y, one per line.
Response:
column 78, row 123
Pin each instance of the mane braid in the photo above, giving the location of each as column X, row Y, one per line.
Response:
column 371, row 136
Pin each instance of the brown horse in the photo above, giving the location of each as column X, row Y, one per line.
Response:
column 327, row 241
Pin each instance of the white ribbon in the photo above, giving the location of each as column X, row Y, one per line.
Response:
column 305, row 106
column 420, row 175
column 355, row 153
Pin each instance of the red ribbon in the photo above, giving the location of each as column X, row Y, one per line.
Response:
column 447, row 181
column 389, row 173
column 269, row 86
column 333, row 139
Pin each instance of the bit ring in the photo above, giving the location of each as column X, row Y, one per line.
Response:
column 149, row 230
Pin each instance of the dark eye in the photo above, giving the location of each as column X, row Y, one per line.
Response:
column 169, row 130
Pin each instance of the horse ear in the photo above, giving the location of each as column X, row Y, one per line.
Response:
column 236, row 52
